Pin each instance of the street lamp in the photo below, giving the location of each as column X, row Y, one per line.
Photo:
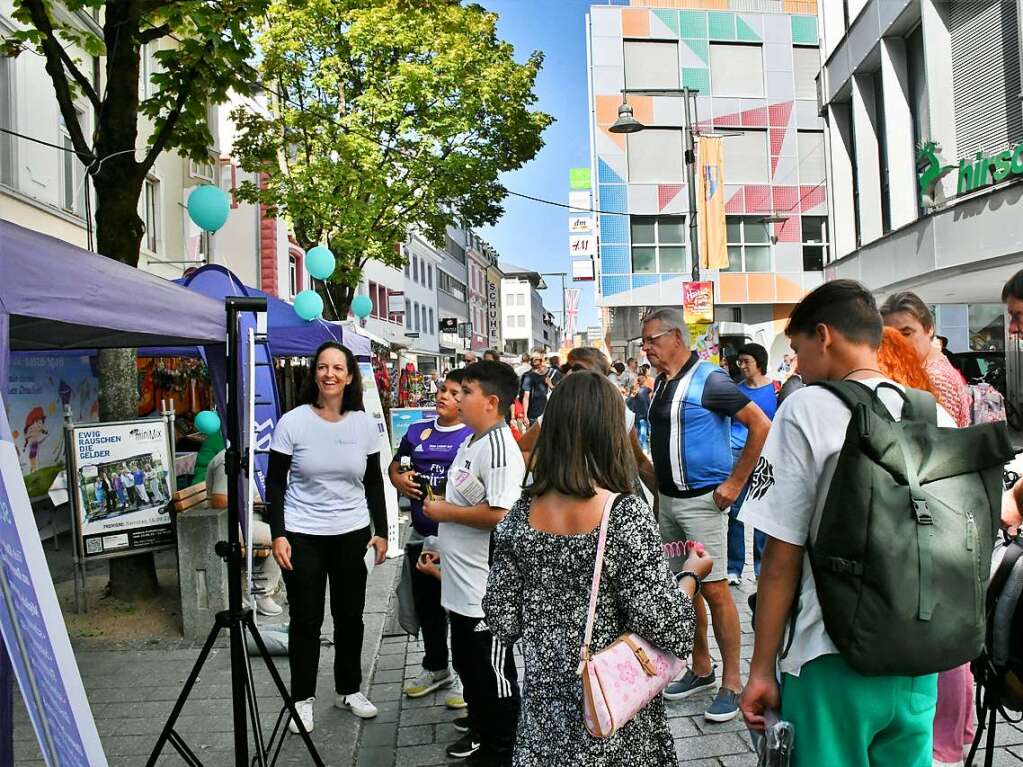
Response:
column 563, row 275
column 627, row 123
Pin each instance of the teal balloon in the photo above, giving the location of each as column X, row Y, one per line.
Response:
column 319, row 262
column 208, row 207
column 207, row 422
column 362, row 306
column 308, row 305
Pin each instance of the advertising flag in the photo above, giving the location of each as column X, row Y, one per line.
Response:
column 571, row 311
column 710, row 200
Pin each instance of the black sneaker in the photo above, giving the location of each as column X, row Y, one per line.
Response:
column 461, row 724
column 464, row 747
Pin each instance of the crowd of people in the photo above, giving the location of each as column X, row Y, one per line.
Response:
column 507, row 527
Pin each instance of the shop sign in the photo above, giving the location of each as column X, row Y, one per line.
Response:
column 974, row 174
column 448, row 324
column 492, row 313
column 579, row 178
column 582, row 245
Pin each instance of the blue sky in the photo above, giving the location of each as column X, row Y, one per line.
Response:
column 532, row 234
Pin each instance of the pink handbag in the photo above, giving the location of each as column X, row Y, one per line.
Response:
column 620, row 680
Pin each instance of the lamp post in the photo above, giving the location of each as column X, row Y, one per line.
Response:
column 627, row 123
column 562, row 275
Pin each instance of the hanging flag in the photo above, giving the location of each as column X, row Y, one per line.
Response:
column 571, row 310
column 710, row 200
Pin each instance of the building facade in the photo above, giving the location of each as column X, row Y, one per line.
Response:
column 479, row 255
column 525, row 323
column 453, row 297
column 925, row 147
column 753, row 64
column 420, row 289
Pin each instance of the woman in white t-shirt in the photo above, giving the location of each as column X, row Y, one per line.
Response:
column 324, row 486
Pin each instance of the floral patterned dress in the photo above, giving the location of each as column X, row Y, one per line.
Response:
column 538, row 594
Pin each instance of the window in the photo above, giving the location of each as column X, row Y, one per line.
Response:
column 145, row 70
column 736, row 70
column 7, row 145
column 408, row 315
column 655, row 156
column 415, row 315
column 806, row 63
column 432, row 326
column 815, row 243
column 425, row 326
column 292, row 274
column 203, row 170
column 651, row 65
column 453, row 249
column 746, row 158
column 749, row 248
column 229, row 180
column 205, row 247
column 407, row 269
column 987, row 329
column 811, row 157
column 415, row 269
column 450, row 285
column 151, row 214
column 72, row 171
column 429, row 276
column 658, row 245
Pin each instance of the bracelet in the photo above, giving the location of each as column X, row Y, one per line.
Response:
column 696, row 579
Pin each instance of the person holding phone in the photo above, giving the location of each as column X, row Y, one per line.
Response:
column 324, row 488
column 427, row 450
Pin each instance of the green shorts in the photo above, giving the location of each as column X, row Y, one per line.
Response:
column 840, row 717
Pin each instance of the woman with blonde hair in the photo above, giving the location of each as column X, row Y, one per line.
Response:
column 540, row 580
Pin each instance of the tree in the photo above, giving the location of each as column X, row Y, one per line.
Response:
column 211, row 45
column 384, row 115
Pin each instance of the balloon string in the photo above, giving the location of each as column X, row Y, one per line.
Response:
column 331, row 299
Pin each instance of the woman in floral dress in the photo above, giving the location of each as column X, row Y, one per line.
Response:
column 539, row 587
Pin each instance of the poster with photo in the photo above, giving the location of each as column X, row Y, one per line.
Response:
column 374, row 407
column 40, row 387
column 124, row 487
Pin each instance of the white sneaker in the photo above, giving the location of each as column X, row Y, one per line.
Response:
column 455, row 698
column 305, row 713
column 357, row 703
column 734, row 580
column 267, row 606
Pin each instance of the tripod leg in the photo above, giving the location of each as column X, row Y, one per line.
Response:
column 168, row 728
column 253, row 702
column 283, row 690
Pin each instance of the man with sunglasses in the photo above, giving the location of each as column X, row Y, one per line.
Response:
column 691, row 412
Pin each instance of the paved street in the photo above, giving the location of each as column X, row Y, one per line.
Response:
column 132, row 688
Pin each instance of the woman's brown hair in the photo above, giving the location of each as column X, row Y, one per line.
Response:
column 909, row 302
column 583, row 443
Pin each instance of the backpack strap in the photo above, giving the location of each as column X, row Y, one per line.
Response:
column 860, row 399
column 924, row 533
column 922, row 406
column 1002, row 572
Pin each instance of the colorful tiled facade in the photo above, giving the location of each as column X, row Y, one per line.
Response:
column 783, row 113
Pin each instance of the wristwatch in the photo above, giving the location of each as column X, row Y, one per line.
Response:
column 696, row 579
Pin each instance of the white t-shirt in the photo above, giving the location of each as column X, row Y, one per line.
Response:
column 790, row 485
column 492, row 464
column 325, row 495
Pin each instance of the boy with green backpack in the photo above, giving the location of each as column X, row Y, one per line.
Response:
column 881, row 518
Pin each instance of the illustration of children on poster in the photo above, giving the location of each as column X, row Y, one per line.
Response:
column 41, row 386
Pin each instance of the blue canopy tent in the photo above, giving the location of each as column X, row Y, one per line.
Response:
column 56, row 296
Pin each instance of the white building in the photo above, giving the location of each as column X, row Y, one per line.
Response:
column 526, row 325
column 902, row 76
column 420, row 315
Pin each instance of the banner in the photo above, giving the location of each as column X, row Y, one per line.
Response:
column 698, row 302
column 582, row 270
column 40, row 388
column 579, row 201
column 402, row 419
column 580, row 224
column 371, row 401
column 582, row 245
column 122, row 473
column 571, row 311
column 33, row 629
column 579, row 179
column 710, row 200
column 704, row 340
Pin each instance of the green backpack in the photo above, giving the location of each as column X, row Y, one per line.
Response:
column 903, row 552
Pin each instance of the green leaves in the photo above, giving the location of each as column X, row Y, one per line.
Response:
column 387, row 115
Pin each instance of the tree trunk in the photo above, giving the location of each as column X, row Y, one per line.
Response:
column 337, row 300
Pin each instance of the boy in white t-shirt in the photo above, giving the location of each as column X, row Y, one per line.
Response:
column 840, row 717
column 484, row 481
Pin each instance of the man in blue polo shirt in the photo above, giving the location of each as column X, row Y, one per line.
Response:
column 431, row 446
column 691, row 412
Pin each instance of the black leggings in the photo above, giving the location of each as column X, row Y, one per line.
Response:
column 317, row 559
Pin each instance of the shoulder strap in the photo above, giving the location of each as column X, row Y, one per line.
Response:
column 922, row 406
column 598, row 568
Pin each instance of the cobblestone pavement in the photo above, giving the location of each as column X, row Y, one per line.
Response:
column 132, row 688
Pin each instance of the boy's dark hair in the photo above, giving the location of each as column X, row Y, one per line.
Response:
column 843, row 305
column 455, row 376
column 619, row 368
column 351, row 399
column 495, row 378
column 1013, row 287
column 759, row 355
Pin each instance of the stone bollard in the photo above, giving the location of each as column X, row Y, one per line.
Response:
column 202, row 574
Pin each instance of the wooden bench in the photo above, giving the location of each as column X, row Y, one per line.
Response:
column 189, row 497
